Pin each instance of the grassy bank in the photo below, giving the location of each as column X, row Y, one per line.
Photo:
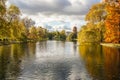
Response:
column 111, row 45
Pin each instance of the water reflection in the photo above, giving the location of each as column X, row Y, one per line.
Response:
column 102, row 63
column 11, row 58
column 112, row 63
column 56, row 60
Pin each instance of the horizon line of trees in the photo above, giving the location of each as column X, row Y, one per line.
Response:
column 103, row 25
column 13, row 28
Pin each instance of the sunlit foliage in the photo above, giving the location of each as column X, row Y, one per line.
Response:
column 112, row 22
column 94, row 30
column 73, row 35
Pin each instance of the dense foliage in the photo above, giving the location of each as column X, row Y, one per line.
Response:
column 113, row 22
column 94, row 30
column 13, row 28
column 73, row 35
column 57, row 35
column 103, row 23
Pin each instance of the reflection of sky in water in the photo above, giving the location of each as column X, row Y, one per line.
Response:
column 54, row 60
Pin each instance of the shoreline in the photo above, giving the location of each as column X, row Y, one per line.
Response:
column 2, row 43
column 19, row 42
column 110, row 45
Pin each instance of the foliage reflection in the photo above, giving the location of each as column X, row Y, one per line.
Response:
column 102, row 63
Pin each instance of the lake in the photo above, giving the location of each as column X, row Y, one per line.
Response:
column 57, row 60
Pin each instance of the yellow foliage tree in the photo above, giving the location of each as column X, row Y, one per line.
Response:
column 112, row 22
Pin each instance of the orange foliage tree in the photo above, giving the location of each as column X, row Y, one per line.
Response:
column 112, row 22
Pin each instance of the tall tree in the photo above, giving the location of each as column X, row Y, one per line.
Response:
column 17, row 30
column 2, row 8
column 4, row 32
column 112, row 22
column 13, row 12
column 97, row 13
column 28, row 22
column 63, row 35
column 14, row 22
column 93, row 31
column 42, row 33
column 33, row 33
column 73, row 35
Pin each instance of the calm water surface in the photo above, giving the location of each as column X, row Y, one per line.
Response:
column 56, row 60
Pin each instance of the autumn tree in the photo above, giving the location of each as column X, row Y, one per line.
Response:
column 13, row 28
column 97, row 16
column 73, row 35
column 2, row 8
column 89, row 34
column 70, row 37
column 33, row 33
column 112, row 22
column 17, row 30
column 94, row 30
column 4, row 31
column 13, row 12
column 96, row 13
column 16, row 26
column 28, row 22
column 42, row 33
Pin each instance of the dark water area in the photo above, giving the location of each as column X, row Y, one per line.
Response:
column 57, row 60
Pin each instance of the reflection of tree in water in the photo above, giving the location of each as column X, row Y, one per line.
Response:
column 112, row 63
column 9, row 61
column 93, row 59
column 11, row 57
column 30, row 49
column 4, row 57
column 42, row 45
column 101, row 64
column 75, row 47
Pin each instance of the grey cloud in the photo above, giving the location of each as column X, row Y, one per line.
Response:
column 80, row 8
column 62, row 3
column 41, row 6
column 60, row 7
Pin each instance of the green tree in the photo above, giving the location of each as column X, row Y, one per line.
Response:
column 73, row 35
column 51, row 35
column 63, row 35
column 69, row 37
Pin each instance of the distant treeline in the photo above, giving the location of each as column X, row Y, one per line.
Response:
column 103, row 25
column 15, row 29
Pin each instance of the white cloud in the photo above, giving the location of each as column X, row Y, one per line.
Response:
column 49, row 11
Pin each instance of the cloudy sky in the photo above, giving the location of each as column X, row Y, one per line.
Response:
column 57, row 14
